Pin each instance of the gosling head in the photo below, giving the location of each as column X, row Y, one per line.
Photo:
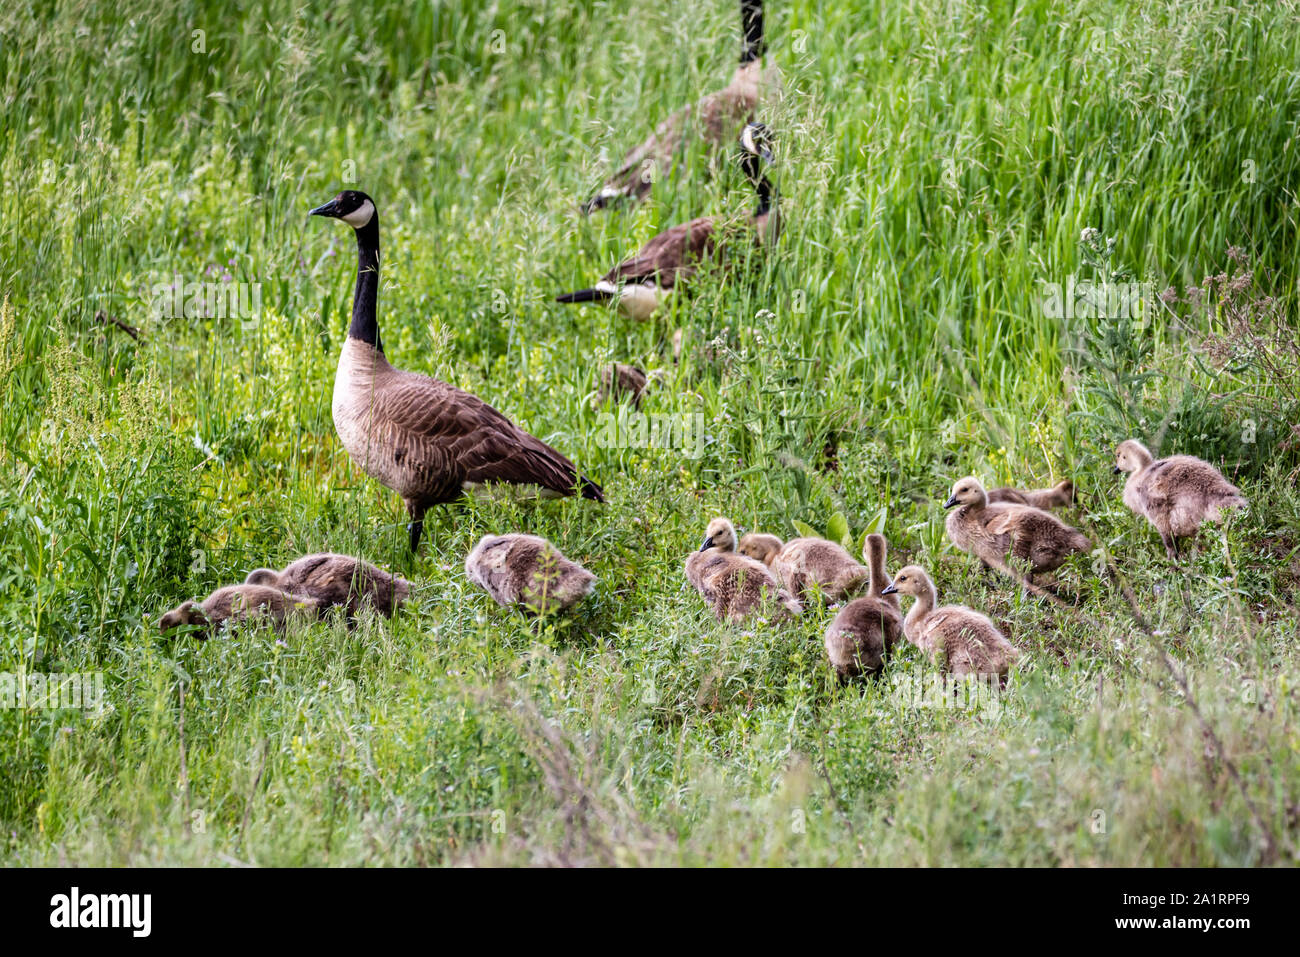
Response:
column 967, row 491
column 720, row 534
column 189, row 613
column 352, row 206
column 263, row 576
column 912, row 580
column 874, row 549
column 759, row 546
column 1131, row 456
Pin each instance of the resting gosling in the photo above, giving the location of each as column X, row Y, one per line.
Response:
column 865, row 630
column 529, row 572
column 337, row 581
column 425, row 439
column 237, row 604
column 736, row 586
column 962, row 640
column 989, row 532
column 1175, row 494
column 801, row 563
column 1060, row 495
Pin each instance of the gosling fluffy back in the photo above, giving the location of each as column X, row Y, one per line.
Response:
column 529, row 572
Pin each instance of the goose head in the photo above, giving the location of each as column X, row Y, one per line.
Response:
column 912, row 580
column 352, row 206
column 967, row 491
column 1131, row 456
column 720, row 534
column 755, row 148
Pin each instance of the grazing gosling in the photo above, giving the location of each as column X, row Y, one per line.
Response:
column 529, row 572
column 1175, row 494
column 801, row 563
column 959, row 639
column 865, row 630
column 337, row 581
column 237, row 604
column 1060, row 495
column 735, row 585
column 990, row 532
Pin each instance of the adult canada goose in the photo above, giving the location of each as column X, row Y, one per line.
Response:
column 990, row 532
column 528, row 571
column 640, row 285
column 1175, row 494
column 337, row 580
column 1060, row 495
column 802, row 563
column 735, row 586
column 237, row 604
column 865, row 630
column 966, row 642
column 716, row 119
column 424, row 439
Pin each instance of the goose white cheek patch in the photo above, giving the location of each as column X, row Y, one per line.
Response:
column 360, row 216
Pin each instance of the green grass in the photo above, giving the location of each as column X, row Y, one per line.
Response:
column 938, row 162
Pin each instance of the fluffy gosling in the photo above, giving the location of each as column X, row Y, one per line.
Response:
column 959, row 639
column 1060, row 495
column 337, row 581
column 1175, row 494
column 238, row 604
column 991, row 531
column 529, row 572
column 735, row 585
column 865, row 629
column 801, row 563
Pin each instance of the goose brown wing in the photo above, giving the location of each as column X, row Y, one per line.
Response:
column 456, row 434
column 675, row 253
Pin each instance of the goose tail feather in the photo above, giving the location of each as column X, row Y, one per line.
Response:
column 586, row 295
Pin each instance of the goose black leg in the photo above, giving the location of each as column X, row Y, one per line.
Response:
column 416, row 526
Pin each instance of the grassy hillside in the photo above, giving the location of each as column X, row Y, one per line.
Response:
column 939, row 164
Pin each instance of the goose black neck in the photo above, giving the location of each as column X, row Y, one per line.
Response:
column 365, row 325
column 764, row 189
column 751, row 21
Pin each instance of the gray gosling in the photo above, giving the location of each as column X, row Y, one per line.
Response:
column 734, row 585
column 1060, row 495
column 238, row 604
column 802, row 563
column 1175, row 494
column 959, row 639
column 865, row 629
column 529, row 572
column 990, row 532
column 337, row 581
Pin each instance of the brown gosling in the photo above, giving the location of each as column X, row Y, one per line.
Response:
column 990, row 532
column 337, row 581
column 237, row 604
column 1175, row 494
column 529, row 572
column 760, row 547
column 959, row 639
column 803, row 563
column 865, row 630
column 1060, row 495
column 734, row 585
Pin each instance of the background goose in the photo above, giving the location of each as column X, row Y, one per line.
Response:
column 991, row 531
column 529, row 571
column 1175, row 494
column 963, row 640
column 735, row 586
column 337, row 580
column 865, row 630
column 424, row 439
column 716, row 119
column 238, row 603
column 640, row 285
column 1060, row 495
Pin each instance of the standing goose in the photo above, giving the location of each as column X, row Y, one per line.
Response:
column 641, row 284
column 424, row 439
column 716, row 119
column 1175, row 494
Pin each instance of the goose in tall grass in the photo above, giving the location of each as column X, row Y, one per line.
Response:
column 1175, row 494
column 640, row 285
column 992, row 531
column 337, row 581
column 735, row 586
column 716, row 119
column 238, row 604
column 527, row 571
column 1060, row 495
column 424, row 439
column 961, row 639
column 866, row 629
